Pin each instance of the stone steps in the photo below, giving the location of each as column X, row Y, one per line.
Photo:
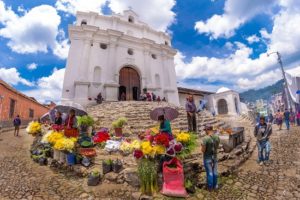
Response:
column 138, row 115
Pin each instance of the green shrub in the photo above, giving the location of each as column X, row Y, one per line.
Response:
column 119, row 123
column 85, row 120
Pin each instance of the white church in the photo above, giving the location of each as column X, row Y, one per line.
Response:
column 119, row 54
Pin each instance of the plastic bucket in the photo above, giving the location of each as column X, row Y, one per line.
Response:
column 71, row 159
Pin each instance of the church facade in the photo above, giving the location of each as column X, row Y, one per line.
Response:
column 118, row 55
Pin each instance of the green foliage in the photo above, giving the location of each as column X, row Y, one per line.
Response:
column 147, row 172
column 95, row 173
column 85, row 120
column 119, row 123
column 189, row 148
column 263, row 93
column 108, row 161
column 188, row 184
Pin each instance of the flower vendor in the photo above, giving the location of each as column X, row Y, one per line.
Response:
column 71, row 121
column 58, row 118
column 165, row 125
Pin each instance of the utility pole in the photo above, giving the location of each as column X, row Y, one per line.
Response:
column 284, row 78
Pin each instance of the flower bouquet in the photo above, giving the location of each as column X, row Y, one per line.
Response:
column 101, row 137
column 34, row 128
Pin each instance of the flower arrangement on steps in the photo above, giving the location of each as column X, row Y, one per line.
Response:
column 118, row 126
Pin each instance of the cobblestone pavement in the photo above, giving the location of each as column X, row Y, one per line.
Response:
column 20, row 178
column 279, row 180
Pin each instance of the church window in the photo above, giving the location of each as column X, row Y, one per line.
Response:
column 131, row 19
column 130, row 52
column 167, row 43
column 103, row 46
column 154, row 56
column 83, row 22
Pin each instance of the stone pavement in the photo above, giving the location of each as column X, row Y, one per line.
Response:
column 20, row 178
column 279, row 180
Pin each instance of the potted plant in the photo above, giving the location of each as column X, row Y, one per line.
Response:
column 84, row 122
column 107, row 166
column 117, row 166
column 118, row 126
column 94, row 178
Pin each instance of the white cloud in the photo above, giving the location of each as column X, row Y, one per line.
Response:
column 236, row 13
column 235, row 65
column 157, row 13
column 72, row 6
column 260, row 81
column 32, row 66
column 252, row 39
column 35, row 31
column 48, row 88
column 12, row 77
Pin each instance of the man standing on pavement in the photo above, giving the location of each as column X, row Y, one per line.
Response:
column 209, row 148
column 262, row 133
column 191, row 109
column 17, row 124
column 287, row 118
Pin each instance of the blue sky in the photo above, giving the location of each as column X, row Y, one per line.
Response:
column 219, row 42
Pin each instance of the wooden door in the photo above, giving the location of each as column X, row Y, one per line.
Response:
column 129, row 79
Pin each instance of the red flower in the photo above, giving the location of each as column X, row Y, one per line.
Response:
column 162, row 139
column 56, row 127
column 178, row 147
column 138, row 154
column 101, row 137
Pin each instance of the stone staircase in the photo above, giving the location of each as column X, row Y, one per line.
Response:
column 138, row 115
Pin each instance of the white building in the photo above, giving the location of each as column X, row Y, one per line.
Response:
column 225, row 101
column 118, row 54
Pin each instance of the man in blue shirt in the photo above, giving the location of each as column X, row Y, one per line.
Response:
column 287, row 118
column 17, row 124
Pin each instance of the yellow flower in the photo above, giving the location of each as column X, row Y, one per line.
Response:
column 45, row 137
column 33, row 128
column 147, row 149
column 135, row 144
column 176, row 131
column 183, row 137
column 125, row 147
column 159, row 149
column 154, row 130
column 74, row 139
column 64, row 144
column 54, row 137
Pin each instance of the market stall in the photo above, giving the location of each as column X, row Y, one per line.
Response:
column 154, row 151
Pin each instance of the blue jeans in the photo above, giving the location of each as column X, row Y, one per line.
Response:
column 264, row 149
column 287, row 123
column 211, row 168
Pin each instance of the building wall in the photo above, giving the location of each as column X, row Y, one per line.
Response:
column 22, row 107
column 229, row 97
column 87, row 58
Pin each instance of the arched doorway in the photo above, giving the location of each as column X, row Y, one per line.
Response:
column 129, row 81
column 222, row 107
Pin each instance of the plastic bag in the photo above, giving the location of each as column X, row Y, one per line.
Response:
column 173, row 178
